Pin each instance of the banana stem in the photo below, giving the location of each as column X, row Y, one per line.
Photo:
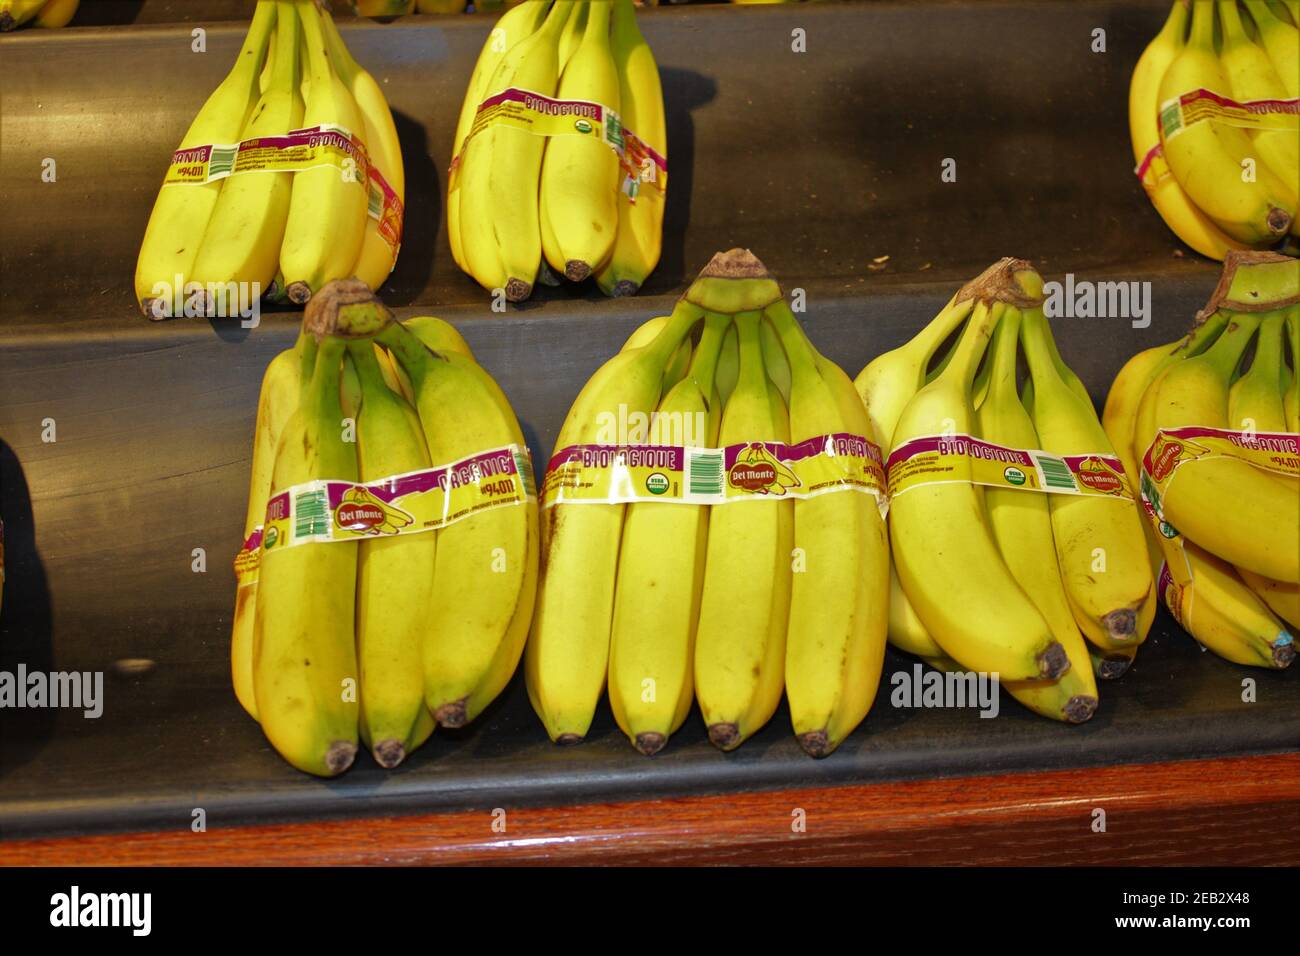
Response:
column 314, row 35
column 1225, row 354
column 753, row 373
column 306, row 347
column 1203, row 24
column 1040, row 352
column 344, row 65
column 972, row 344
column 252, row 55
column 683, row 319
column 322, row 399
column 704, row 362
column 413, row 355
column 284, row 73
column 1002, row 368
column 799, row 350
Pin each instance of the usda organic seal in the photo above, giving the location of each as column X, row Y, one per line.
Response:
column 582, row 126
column 1014, row 475
column 657, row 483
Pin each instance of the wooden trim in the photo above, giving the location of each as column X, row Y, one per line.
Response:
column 1235, row 811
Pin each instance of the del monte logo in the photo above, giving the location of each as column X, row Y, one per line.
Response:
column 1099, row 476
column 758, row 471
column 1166, row 456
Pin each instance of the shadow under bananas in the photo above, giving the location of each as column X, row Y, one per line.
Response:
column 421, row 244
column 26, row 620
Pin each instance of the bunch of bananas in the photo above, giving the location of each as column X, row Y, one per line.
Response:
column 374, row 632
column 560, row 152
column 290, row 176
column 781, row 587
column 991, row 573
column 1213, row 122
column 42, row 13
column 1217, row 453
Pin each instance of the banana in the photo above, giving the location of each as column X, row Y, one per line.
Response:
column 677, row 368
column 1207, row 157
column 1243, row 514
column 579, row 181
column 835, row 642
column 304, row 650
column 182, row 211
column 326, row 225
column 661, row 571
column 1255, row 399
column 281, row 385
column 1282, row 599
column 242, row 241
column 1022, row 527
column 939, row 531
column 56, row 13
column 394, row 576
column 1099, row 543
column 377, row 257
column 1224, row 615
column 485, row 577
column 14, row 13
column 1111, row 665
column 566, row 660
column 639, row 240
column 778, row 369
column 1251, row 77
column 499, row 170
column 740, row 643
column 1282, row 41
column 1291, row 401
column 571, row 35
column 1162, row 188
column 517, row 23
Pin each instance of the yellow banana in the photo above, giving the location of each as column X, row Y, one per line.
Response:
column 661, row 571
column 378, row 255
column 326, row 225
column 579, row 181
column 676, row 370
column 496, row 183
column 242, row 241
column 839, row 610
column 56, row 13
column 1255, row 399
column 304, row 643
column 394, row 575
column 1207, row 157
column 567, row 657
column 571, row 35
column 745, row 608
column 182, row 211
column 14, row 13
column 639, row 240
column 1282, row 41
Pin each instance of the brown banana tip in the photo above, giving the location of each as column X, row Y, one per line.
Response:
column 1283, row 652
column 1113, row 668
column 340, row 756
column 734, row 264
column 517, row 290
column 299, row 293
column 724, row 736
column 1053, row 661
column 1079, row 708
column 575, row 270
column 650, row 743
column 568, row 740
column 6, row 22
column 1279, row 221
column 625, row 287
column 999, row 283
column 1121, row 625
column 389, row 753
column 149, row 308
column 816, row 743
column 452, row 714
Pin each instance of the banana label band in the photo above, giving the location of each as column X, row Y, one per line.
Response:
column 1197, row 106
column 385, row 207
column 938, row 459
column 546, row 116
column 1171, row 594
column 750, row 471
column 299, row 149
column 1278, row 452
column 425, row 500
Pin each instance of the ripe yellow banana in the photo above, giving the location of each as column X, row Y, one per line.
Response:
column 242, row 241
column 517, row 23
column 639, row 240
column 326, row 225
column 745, row 608
column 571, row 35
column 282, row 383
column 939, row 531
column 182, row 211
column 1175, row 208
column 661, row 571
column 1243, row 514
column 1282, row 41
column 496, row 185
column 378, row 256
column 676, row 370
column 485, row 578
column 56, row 13
column 1207, row 157
column 304, row 643
column 778, row 369
column 14, row 13
column 394, row 576
column 1255, row 399
column 839, row 602
column 567, row 657
column 579, row 182
column 1099, row 541
column 1022, row 526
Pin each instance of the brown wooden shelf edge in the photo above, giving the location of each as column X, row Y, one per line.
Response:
column 1226, row 812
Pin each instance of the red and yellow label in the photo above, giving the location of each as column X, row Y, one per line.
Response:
column 1198, row 106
